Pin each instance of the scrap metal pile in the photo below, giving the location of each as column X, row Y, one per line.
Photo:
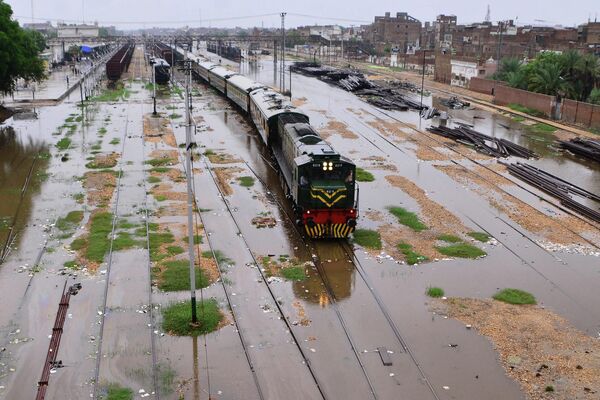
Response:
column 483, row 143
column 559, row 188
column 387, row 97
column 587, row 148
column 455, row 103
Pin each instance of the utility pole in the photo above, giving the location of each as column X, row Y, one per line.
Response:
column 190, row 200
column 282, row 65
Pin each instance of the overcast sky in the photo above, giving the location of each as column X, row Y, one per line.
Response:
column 148, row 13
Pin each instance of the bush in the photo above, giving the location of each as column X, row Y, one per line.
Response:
column 435, row 292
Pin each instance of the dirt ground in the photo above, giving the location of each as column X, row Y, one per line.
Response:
column 539, row 349
column 99, row 187
column 158, row 129
column 224, row 176
column 564, row 230
column 223, row 158
column 339, row 128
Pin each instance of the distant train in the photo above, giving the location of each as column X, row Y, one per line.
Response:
column 320, row 182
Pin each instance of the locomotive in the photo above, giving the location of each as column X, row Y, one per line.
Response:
column 320, row 182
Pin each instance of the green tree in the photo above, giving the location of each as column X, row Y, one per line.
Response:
column 517, row 79
column 547, row 79
column 19, row 52
column 508, row 66
column 594, row 97
column 588, row 74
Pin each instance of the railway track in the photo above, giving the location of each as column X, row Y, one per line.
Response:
column 107, row 286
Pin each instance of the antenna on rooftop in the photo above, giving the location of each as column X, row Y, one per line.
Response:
column 488, row 17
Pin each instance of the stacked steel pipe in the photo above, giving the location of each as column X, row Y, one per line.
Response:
column 557, row 187
column 587, row 148
column 483, row 143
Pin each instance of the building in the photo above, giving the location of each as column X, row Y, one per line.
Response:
column 45, row 28
column 71, row 31
column 444, row 29
column 589, row 34
column 463, row 69
column 402, row 32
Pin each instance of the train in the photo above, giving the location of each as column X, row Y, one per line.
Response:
column 162, row 70
column 320, row 182
column 119, row 62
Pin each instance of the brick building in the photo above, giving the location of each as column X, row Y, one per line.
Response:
column 402, row 32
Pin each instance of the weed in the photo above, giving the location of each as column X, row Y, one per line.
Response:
column 549, row 388
column 159, row 162
column 481, row 236
column 124, row 224
column 160, row 197
column 408, row 218
column 540, row 128
column 161, row 170
column 434, row 292
column 99, row 242
column 153, row 179
column 97, row 146
column 449, row 238
column 363, row 175
column 246, row 181
column 197, row 239
column 209, row 152
column 112, row 95
column 102, row 131
column 515, row 296
column 367, row 238
column 71, row 265
column 294, row 273
column 78, row 244
column 175, row 276
column 518, row 118
column 461, row 250
column 523, row 109
column 156, row 240
column 124, row 241
column 115, row 141
column 63, row 144
column 177, row 318
column 174, row 116
column 412, row 257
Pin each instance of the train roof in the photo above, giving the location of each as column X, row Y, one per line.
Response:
column 244, row 83
column 272, row 103
column 207, row 65
column 159, row 62
column 222, row 72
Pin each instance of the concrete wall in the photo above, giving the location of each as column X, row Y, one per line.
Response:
column 505, row 95
column 443, row 68
column 581, row 113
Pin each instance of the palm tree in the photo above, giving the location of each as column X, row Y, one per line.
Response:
column 517, row 79
column 508, row 65
column 547, row 78
column 588, row 73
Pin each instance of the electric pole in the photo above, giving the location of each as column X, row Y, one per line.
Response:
column 282, row 65
column 189, row 177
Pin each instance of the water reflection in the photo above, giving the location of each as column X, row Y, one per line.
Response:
column 339, row 275
column 23, row 163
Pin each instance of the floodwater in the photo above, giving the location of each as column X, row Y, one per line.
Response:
column 315, row 338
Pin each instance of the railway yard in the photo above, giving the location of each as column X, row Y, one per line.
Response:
column 415, row 304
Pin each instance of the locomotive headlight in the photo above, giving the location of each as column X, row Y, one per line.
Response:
column 330, row 166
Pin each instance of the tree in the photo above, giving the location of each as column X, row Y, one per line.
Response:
column 517, row 79
column 547, row 79
column 588, row 68
column 508, row 66
column 19, row 52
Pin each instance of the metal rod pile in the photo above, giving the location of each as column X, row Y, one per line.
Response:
column 483, row 143
column 556, row 187
column 386, row 97
column 587, row 148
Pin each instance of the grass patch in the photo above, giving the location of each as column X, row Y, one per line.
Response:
column 174, row 250
column 63, row 144
column 412, row 257
column 116, row 94
column 124, row 241
column 71, row 265
column 70, row 221
column 209, row 152
column 363, row 175
column 117, row 392
column 124, row 224
column 174, row 116
column 115, row 141
column 367, row 238
column 515, row 296
column 102, row 131
column 434, row 292
column 528, row 111
column 539, row 127
column 197, row 239
column 177, row 318
column 449, row 238
column 408, row 218
column 99, row 242
column 175, row 276
column 78, row 244
column 480, row 236
column 461, row 250
column 246, row 181
column 160, row 197
column 161, row 170
column 79, row 197
column 156, row 240
column 153, row 179
column 518, row 118
column 222, row 259
column 294, row 273
column 159, row 162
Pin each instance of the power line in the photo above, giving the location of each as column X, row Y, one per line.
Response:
column 329, row 18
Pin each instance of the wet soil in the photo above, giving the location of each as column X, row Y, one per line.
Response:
column 541, row 350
